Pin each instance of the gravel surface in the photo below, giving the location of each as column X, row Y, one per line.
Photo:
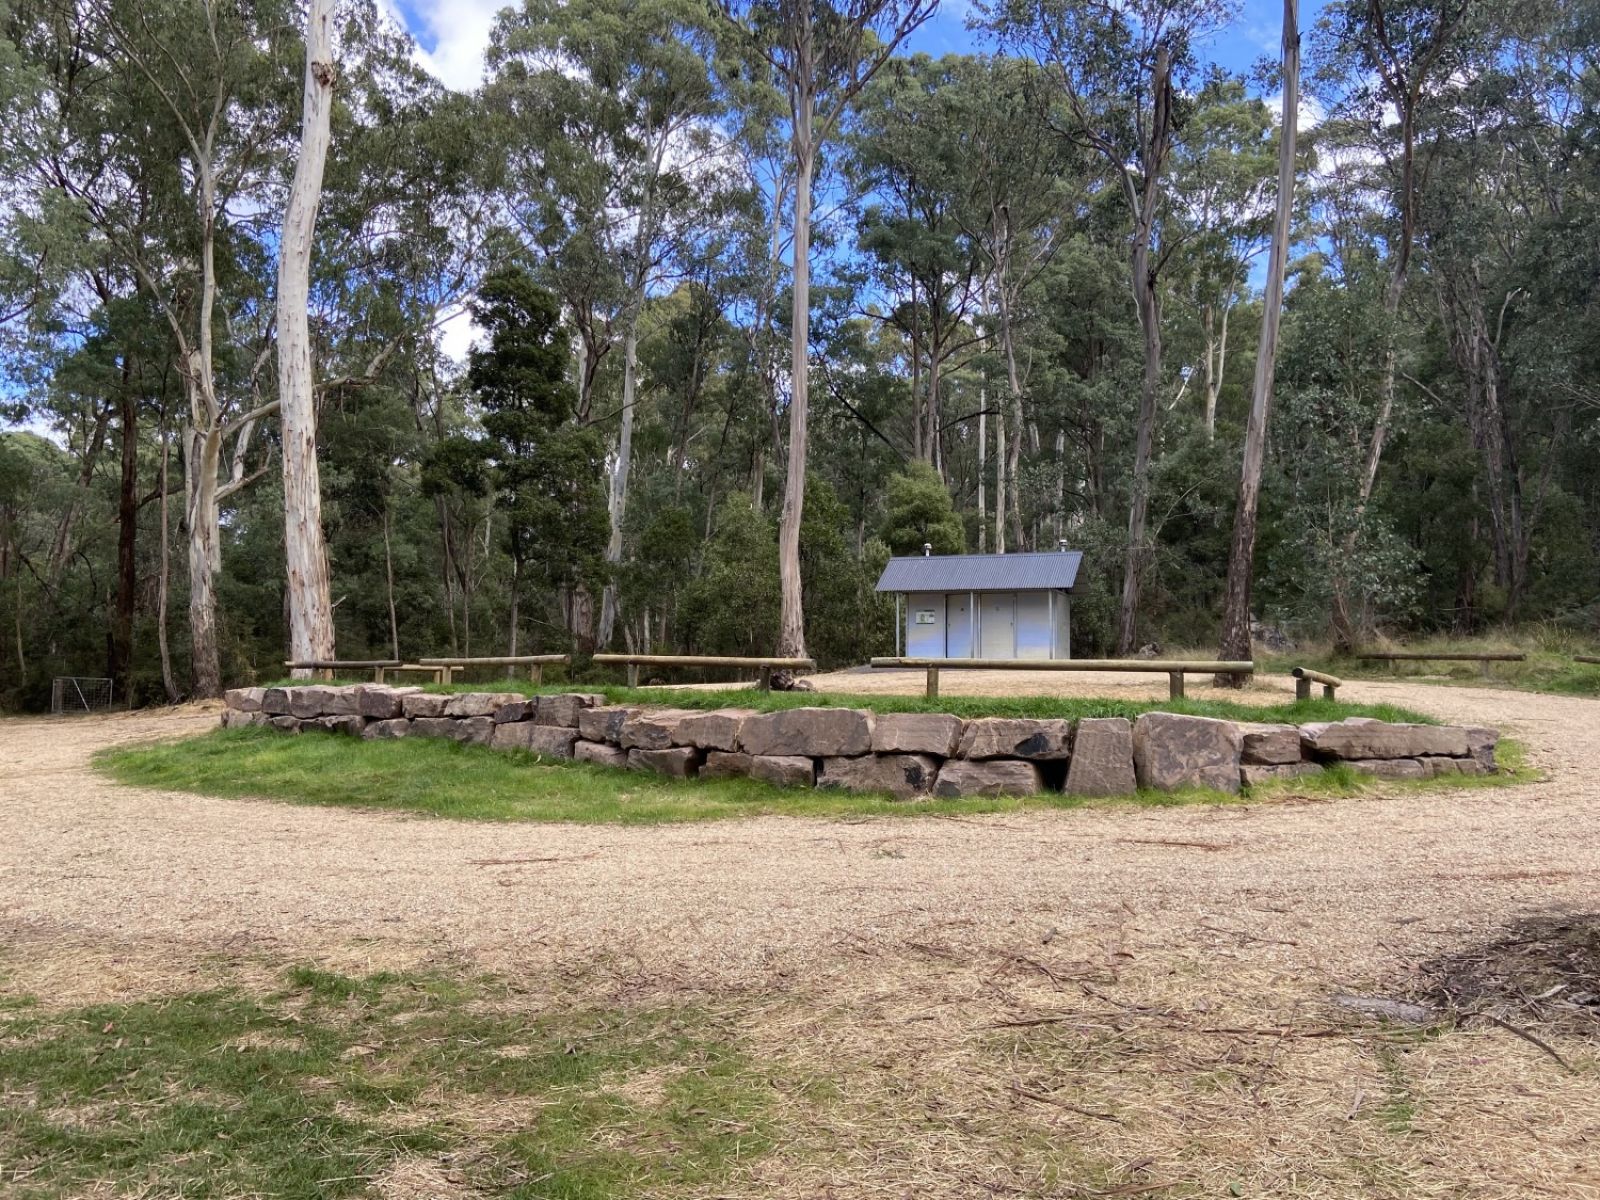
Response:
column 1258, row 911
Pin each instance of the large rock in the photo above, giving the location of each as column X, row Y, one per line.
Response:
column 478, row 704
column 233, row 718
column 1102, row 758
column 424, row 704
column 727, row 764
column 1048, row 739
column 1455, row 766
column 563, row 709
column 245, row 699
column 901, row 775
column 650, row 728
column 1172, row 752
column 717, row 730
column 783, row 770
column 602, row 754
column 992, row 777
column 603, row 724
column 275, row 702
column 1252, row 774
column 916, row 733
column 1351, row 741
column 680, row 762
column 1481, row 744
column 285, row 724
column 515, row 710
column 813, row 732
column 310, row 701
column 382, row 703
column 385, row 730
column 342, row 701
column 347, row 724
column 1390, row 768
column 1264, row 745
column 552, row 741
column 476, row 730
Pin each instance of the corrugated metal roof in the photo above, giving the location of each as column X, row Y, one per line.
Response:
column 981, row 572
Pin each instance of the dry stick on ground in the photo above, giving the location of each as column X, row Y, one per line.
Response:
column 1043, row 1098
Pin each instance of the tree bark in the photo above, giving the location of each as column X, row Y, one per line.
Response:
column 1148, row 303
column 202, row 460
column 164, row 573
column 311, row 634
column 1236, row 641
column 119, row 666
column 983, row 454
column 792, row 623
column 618, row 500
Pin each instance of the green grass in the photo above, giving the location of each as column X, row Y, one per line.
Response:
column 435, row 777
column 316, row 1088
column 1073, row 708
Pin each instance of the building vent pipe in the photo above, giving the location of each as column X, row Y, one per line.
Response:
column 927, row 549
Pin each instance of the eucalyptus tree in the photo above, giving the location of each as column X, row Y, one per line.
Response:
column 821, row 56
column 623, row 165
column 1117, row 66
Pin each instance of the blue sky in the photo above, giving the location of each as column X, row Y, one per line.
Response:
column 452, row 34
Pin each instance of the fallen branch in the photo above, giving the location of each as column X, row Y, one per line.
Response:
column 1044, row 1098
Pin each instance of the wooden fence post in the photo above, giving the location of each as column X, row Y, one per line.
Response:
column 933, row 683
column 1175, row 685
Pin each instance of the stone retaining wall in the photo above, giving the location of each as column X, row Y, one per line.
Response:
column 903, row 754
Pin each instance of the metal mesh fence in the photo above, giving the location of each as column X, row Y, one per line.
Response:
column 79, row 694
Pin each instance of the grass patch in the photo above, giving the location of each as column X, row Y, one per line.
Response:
column 323, row 1086
column 1069, row 707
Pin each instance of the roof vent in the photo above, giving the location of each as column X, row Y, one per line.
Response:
column 927, row 549
column 1061, row 545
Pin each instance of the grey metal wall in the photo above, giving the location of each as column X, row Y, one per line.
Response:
column 1014, row 625
column 925, row 625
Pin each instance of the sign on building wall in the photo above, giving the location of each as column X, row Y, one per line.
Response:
column 923, row 616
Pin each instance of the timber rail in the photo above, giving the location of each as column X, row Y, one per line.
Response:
column 766, row 666
column 327, row 666
column 444, row 669
column 1592, row 659
column 1174, row 671
column 1395, row 657
column 1304, row 677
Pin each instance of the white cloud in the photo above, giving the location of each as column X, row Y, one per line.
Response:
column 452, row 36
column 459, row 333
column 1311, row 110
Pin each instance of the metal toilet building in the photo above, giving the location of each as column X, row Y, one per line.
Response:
column 1002, row 606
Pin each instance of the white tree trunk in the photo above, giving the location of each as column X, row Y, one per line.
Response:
column 618, row 501
column 305, row 553
column 203, row 453
column 792, row 627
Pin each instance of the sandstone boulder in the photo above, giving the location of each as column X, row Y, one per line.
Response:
column 233, row 718
column 1263, row 745
column 552, row 741
column 1172, row 751
column 1102, row 758
column 1251, row 774
column 476, row 730
column 901, row 775
column 812, row 732
column 1046, row 740
column 478, row 704
column 310, row 701
column 724, row 764
column 650, row 728
column 285, row 724
column 600, row 753
column 783, row 770
column 1363, row 740
column 603, row 724
column 717, row 730
column 423, row 704
column 245, row 699
column 680, row 762
column 351, row 725
column 381, row 703
column 993, row 777
column 385, row 730
column 1481, row 744
column 938, row 734
column 563, row 709
column 516, row 710
column 275, row 701
column 1390, row 768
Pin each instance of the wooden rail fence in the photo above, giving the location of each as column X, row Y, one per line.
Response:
column 766, row 666
column 445, row 668
column 1396, row 657
column 327, row 666
column 1304, row 677
column 1174, row 671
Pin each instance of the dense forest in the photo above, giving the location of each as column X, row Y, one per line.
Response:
column 759, row 297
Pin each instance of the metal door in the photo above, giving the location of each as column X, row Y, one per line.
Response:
column 958, row 623
column 998, row 625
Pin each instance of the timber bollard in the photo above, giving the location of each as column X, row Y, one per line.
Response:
column 1304, row 677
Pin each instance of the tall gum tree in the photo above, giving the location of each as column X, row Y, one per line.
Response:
column 305, row 553
column 821, row 55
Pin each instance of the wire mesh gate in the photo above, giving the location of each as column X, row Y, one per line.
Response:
column 79, row 694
